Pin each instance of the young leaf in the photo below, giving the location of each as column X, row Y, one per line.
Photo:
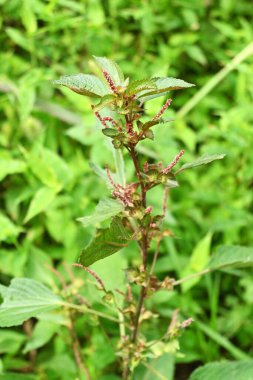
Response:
column 106, row 242
column 105, row 101
column 84, row 84
column 26, row 298
column 238, row 370
column 110, row 132
column 206, row 159
column 229, row 256
column 43, row 197
column 111, row 68
column 105, row 209
column 164, row 85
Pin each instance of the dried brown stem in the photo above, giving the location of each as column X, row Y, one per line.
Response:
column 76, row 350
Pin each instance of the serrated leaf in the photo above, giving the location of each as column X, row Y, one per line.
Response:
column 141, row 85
column 111, row 68
column 84, row 84
column 230, row 256
column 106, row 242
column 41, row 200
column 26, row 298
column 206, row 159
column 238, row 370
column 105, row 209
column 110, row 132
column 164, row 85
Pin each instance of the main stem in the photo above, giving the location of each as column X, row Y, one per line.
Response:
column 138, row 173
column 144, row 248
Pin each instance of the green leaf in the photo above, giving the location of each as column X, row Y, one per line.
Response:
column 223, row 341
column 84, row 84
column 3, row 290
column 141, row 85
column 120, row 166
column 11, row 341
column 105, row 209
column 106, row 242
column 11, row 166
column 198, row 261
column 104, row 102
column 18, row 38
column 28, row 17
column 110, row 132
column 149, row 134
column 78, row 133
column 41, row 335
column 49, row 167
column 238, row 370
column 26, row 298
column 206, row 159
column 99, row 171
column 102, row 174
column 231, row 256
column 16, row 376
column 161, row 368
column 8, row 230
column 42, row 199
column 111, row 68
column 164, row 85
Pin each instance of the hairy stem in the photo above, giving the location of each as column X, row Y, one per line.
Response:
column 138, row 173
column 144, row 249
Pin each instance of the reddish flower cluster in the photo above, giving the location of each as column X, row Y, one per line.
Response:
column 146, row 167
column 130, row 129
column 186, row 323
column 123, row 194
column 148, row 210
column 173, row 163
column 110, row 81
column 163, row 109
column 103, row 121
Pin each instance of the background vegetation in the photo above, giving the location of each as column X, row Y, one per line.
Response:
column 48, row 140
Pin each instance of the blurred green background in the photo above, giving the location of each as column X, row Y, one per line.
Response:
column 48, row 139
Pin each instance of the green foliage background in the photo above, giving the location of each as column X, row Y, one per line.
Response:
column 48, row 138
